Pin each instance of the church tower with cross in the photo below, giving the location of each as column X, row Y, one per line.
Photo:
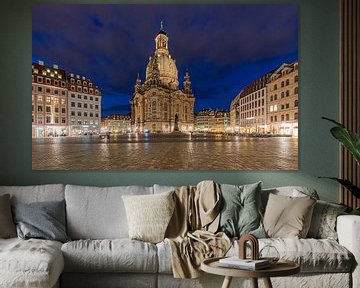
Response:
column 158, row 104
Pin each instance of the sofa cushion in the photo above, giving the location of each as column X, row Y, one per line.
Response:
column 287, row 216
column 313, row 255
column 36, row 193
column 98, row 213
column 149, row 215
column 323, row 222
column 290, row 191
column 240, row 210
column 42, row 220
column 30, row 263
column 117, row 255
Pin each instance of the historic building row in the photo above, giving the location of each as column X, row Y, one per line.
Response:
column 116, row 123
column 63, row 103
column 269, row 105
column 213, row 121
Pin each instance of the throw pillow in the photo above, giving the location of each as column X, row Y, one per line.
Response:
column 323, row 222
column 240, row 213
column 43, row 220
column 288, row 217
column 149, row 215
column 7, row 227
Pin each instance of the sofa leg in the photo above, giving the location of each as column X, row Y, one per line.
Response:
column 227, row 282
column 267, row 283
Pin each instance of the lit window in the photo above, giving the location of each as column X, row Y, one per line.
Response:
column 275, row 107
column 271, row 108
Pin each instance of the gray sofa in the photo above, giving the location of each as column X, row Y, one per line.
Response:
column 101, row 255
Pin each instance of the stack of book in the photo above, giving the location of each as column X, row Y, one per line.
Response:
column 248, row 264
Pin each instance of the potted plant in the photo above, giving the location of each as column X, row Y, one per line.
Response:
column 351, row 141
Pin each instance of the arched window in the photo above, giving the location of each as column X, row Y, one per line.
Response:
column 296, row 103
column 296, row 89
column 153, row 109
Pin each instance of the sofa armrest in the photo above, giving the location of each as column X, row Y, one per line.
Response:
column 348, row 230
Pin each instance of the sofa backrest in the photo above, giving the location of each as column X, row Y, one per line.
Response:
column 36, row 193
column 98, row 212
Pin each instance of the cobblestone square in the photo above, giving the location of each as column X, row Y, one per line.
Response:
column 165, row 152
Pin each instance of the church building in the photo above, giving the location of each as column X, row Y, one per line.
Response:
column 158, row 104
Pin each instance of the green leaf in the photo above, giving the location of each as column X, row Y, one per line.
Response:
column 349, row 139
column 347, row 184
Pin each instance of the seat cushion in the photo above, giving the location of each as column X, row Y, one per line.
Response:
column 30, row 263
column 117, row 255
column 313, row 255
column 98, row 213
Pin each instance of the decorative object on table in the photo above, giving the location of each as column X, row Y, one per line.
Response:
column 254, row 246
column 270, row 253
column 247, row 264
column 351, row 142
column 241, row 261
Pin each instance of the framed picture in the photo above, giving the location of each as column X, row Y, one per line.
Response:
column 165, row 87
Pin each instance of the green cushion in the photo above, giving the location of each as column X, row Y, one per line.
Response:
column 240, row 213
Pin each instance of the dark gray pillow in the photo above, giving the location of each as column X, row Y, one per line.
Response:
column 43, row 220
column 240, row 213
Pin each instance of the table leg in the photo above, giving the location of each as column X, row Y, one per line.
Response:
column 267, row 283
column 254, row 282
column 227, row 282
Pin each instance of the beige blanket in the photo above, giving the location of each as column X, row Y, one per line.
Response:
column 191, row 231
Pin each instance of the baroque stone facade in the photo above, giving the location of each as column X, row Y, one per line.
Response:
column 158, row 105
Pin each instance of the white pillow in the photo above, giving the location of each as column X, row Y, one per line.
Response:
column 149, row 215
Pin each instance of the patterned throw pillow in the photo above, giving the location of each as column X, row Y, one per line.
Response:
column 323, row 223
column 240, row 213
column 149, row 215
column 288, row 217
column 7, row 226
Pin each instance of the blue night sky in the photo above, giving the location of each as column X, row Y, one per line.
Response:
column 225, row 47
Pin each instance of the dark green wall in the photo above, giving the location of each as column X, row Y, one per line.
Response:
column 319, row 69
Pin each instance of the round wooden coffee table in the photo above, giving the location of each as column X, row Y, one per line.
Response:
column 281, row 268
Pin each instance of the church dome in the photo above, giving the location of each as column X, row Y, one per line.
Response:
column 167, row 70
column 168, row 73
